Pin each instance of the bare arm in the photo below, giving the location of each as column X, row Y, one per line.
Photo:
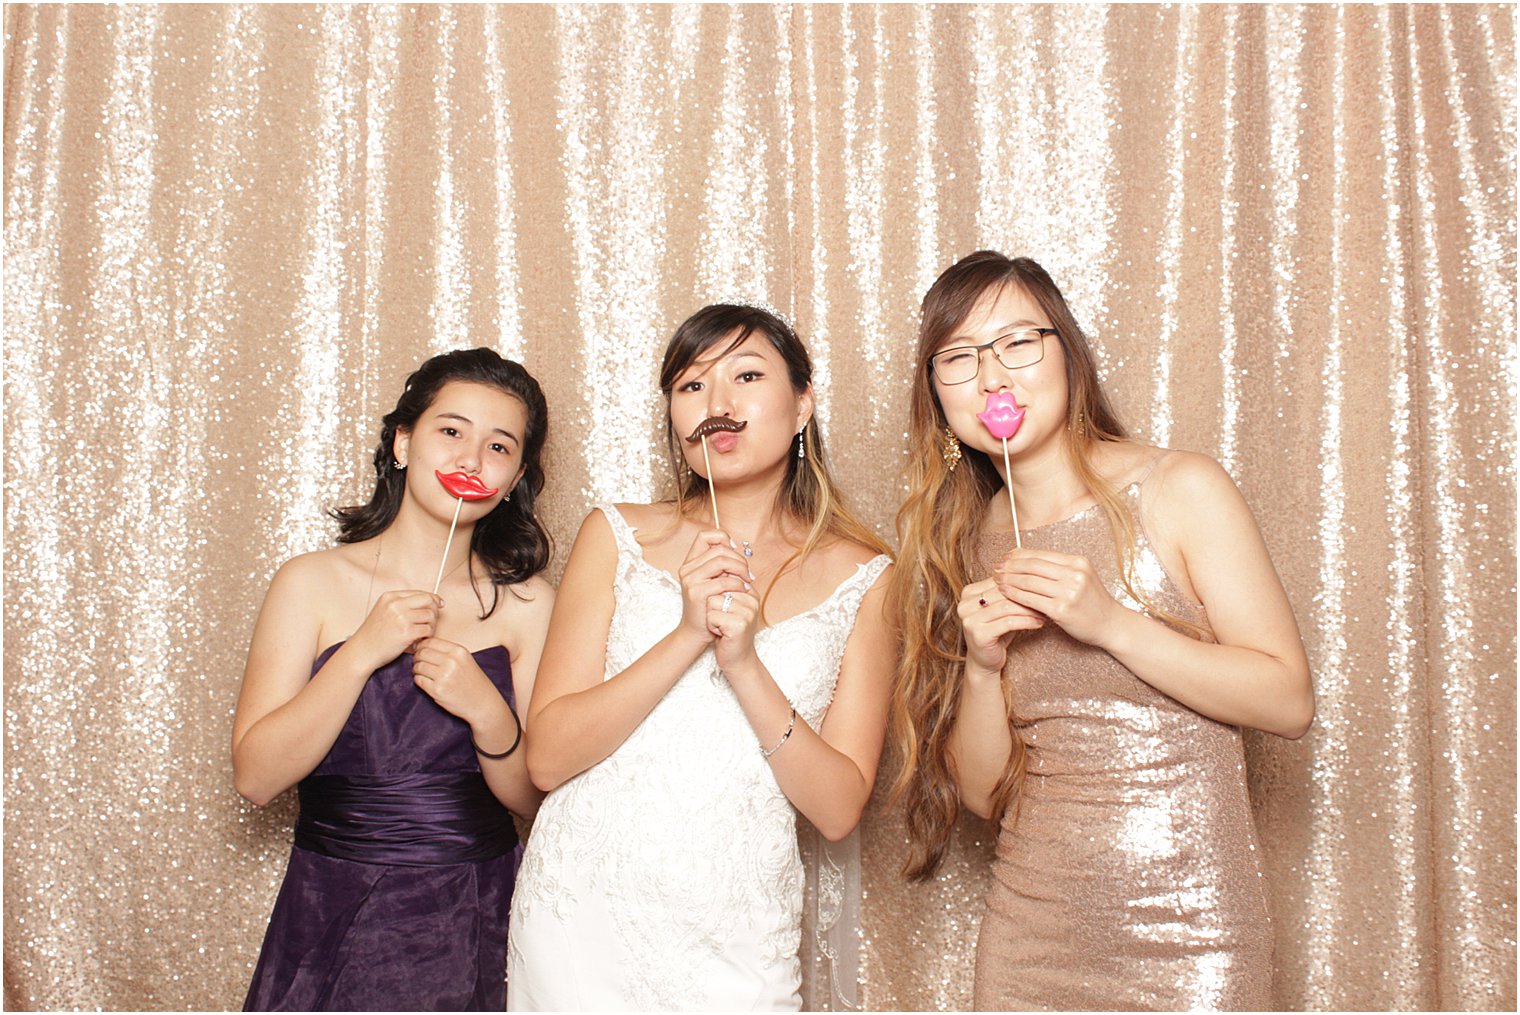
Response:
column 1257, row 675
column 577, row 717
column 981, row 739
column 287, row 718
column 448, row 673
column 508, row 777
column 827, row 775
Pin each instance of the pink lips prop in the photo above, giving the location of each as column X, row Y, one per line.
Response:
column 1002, row 417
column 464, row 486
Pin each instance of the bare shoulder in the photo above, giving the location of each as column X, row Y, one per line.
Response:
column 316, row 572
column 646, row 516
column 1190, row 495
column 522, row 608
column 838, row 559
column 529, row 598
column 1123, row 462
column 653, row 524
column 1183, row 477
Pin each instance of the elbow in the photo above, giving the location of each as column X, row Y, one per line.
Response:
column 1299, row 714
column 982, row 808
column 542, row 771
column 250, row 790
column 1298, row 724
column 838, row 829
column 246, row 780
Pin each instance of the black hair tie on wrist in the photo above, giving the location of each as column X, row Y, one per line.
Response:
column 509, row 750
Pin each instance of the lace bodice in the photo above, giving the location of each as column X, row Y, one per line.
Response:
column 683, row 831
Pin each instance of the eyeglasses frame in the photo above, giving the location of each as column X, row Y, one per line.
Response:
column 934, row 372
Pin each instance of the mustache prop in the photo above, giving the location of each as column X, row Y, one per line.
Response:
column 712, row 425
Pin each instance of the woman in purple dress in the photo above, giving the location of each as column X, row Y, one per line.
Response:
column 397, row 711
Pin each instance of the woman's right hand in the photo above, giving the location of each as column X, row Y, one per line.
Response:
column 398, row 620
column 987, row 619
column 711, row 568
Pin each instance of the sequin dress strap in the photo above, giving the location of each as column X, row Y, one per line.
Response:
column 1150, row 467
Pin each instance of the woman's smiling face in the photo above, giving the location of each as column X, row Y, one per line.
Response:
column 747, row 383
column 471, row 428
column 998, row 317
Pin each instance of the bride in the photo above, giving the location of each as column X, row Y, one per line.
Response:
column 699, row 687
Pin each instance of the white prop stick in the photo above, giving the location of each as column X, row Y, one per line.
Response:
column 1013, row 508
column 447, row 545
column 712, row 491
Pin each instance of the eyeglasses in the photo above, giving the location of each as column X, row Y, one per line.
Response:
column 1015, row 350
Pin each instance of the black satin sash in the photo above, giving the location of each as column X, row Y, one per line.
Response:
column 425, row 819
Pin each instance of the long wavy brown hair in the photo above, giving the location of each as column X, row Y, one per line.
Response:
column 939, row 526
column 808, row 492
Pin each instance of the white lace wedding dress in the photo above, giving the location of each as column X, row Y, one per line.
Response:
column 668, row 875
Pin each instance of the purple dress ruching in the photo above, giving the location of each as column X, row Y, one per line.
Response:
column 400, row 880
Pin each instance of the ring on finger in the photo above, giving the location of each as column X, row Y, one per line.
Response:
column 981, row 602
column 728, row 600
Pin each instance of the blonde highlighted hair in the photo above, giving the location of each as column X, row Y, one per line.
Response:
column 939, row 526
column 809, row 493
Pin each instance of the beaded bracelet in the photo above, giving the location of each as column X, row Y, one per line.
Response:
column 792, row 722
column 509, row 750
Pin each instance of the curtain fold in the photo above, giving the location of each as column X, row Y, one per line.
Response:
column 230, row 232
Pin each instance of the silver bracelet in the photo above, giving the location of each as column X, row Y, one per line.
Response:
column 790, row 725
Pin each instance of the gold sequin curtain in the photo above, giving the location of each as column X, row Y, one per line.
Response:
column 231, row 231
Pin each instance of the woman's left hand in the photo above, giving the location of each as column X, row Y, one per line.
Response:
column 1061, row 586
column 735, row 645
column 446, row 672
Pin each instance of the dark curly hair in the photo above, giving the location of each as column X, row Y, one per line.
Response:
column 510, row 541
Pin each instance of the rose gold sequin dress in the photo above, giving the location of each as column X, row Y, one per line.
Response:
column 1129, row 877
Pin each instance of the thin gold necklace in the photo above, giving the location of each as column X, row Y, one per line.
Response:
column 375, row 567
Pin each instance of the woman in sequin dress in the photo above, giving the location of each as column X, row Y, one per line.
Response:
column 393, row 709
column 1086, row 691
column 700, row 687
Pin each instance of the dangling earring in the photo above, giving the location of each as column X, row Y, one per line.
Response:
column 398, row 466
column 951, row 451
column 1080, row 426
column 802, row 442
column 507, row 498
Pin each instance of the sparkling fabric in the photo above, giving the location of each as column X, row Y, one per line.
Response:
column 1129, row 876
column 231, row 231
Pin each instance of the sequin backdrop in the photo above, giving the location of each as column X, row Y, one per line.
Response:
column 230, row 232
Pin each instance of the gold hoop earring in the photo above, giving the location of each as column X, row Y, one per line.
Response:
column 951, row 450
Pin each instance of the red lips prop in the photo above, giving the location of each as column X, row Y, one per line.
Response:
column 464, row 486
column 1002, row 418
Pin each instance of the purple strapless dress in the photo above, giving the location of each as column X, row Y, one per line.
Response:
column 400, row 881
